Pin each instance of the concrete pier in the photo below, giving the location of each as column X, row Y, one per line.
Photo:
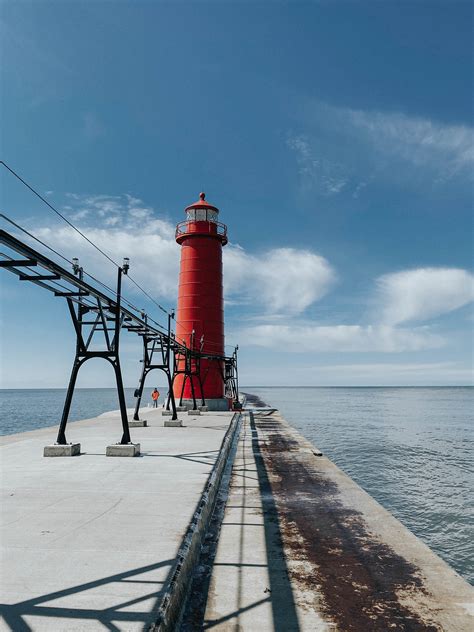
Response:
column 301, row 547
column 94, row 543
column 91, row 542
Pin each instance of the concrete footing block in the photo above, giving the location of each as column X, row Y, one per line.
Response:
column 204, row 409
column 166, row 413
column 123, row 449
column 181, row 409
column 71, row 449
column 138, row 423
column 173, row 423
column 215, row 405
column 194, row 412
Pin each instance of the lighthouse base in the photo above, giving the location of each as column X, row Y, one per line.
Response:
column 218, row 404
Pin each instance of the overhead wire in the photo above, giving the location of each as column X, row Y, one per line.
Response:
column 34, row 237
column 57, row 212
column 60, row 286
column 8, row 219
column 38, row 195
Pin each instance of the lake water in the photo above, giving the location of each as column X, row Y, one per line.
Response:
column 410, row 448
column 22, row 410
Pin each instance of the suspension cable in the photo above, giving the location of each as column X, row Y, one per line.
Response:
column 38, row 195
column 105, row 286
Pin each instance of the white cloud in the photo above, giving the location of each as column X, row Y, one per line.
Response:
column 305, row 338
column 153, row 256
column 423, row 293
column 281, row 280
column 411, row 295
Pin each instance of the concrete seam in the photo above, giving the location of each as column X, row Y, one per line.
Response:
column 174, row 598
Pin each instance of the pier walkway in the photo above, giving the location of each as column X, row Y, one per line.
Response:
column 301, row 547
column 91, row 542
column 109, row 543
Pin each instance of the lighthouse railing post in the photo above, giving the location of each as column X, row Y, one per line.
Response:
column 61, row 439
column 123, row 407
column 171, row 398
column 182, row 390
column 115, row 361
column 80, row 348
column 201, row 386
column 191, row 376
column 174, row 369
column 193, row 393
column 169, row 361
column 198, row 370
column 141, row 383
column 236, row 375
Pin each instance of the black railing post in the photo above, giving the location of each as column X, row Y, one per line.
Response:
column 141, row 383
column 116, row 360
column 171, row 398
column 236, row 374
column 67, row 404
column 77, row 322
column 123, row 406
column 145, row 361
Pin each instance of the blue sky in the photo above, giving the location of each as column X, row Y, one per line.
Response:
column 336, row 138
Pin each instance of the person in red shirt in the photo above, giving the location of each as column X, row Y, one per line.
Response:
column 155, row 394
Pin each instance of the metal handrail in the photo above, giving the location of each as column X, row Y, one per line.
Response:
column 183, row 228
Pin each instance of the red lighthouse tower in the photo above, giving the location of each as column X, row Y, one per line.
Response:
column 200, row 315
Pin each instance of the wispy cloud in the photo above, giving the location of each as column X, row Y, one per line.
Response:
column 363, row 374
column 423, row 293
column 304, row 338
column 92, row 126
column 420, row 141
column 342, row 150
column 315, row 171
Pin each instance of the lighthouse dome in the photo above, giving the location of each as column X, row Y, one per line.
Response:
column 202, row 219
column 202, row 211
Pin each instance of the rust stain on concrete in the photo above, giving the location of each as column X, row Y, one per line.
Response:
column 254, row 400
column 360, row 579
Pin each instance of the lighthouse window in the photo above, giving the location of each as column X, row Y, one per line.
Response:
column 200, row 215
column 212, row 216
column 191, row 214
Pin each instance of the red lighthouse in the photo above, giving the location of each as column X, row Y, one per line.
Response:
column 200, row 315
